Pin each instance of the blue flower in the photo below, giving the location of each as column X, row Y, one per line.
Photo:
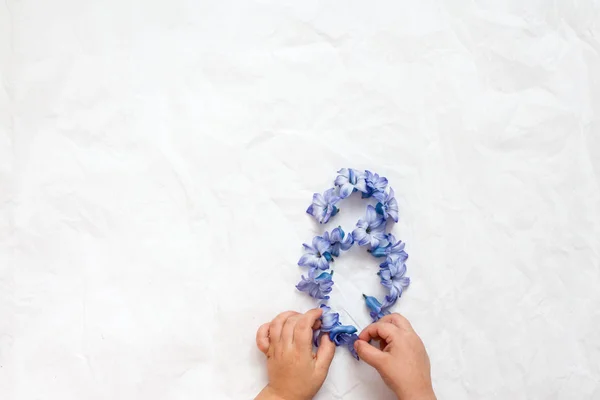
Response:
column 370, row 230
column 318, row 287
column 350, row 180
column 388, row 205
column 323, row 206
column 375, row 183
column 391, row 249
column 338, row 240
column 344, row 335
column 339, row 334
column 318, row 255
column 375, row 308
column 338, row 330
column 329, row 319
column 345, row 339
column 392, row 277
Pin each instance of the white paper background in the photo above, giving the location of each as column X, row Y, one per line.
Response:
column 156, row 159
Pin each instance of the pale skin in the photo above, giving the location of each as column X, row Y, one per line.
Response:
column 297, row 373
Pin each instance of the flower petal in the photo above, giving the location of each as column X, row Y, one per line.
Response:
column 347, row 242
column 337, row 235
column 329, row 319
column 309, row 260
column 372, row 304
column 381, row 184
column 401, row 270
column 335, row 250
column 404, row 282
column 341, row 180
column 361, row 185
column 347, row 340
column 335, row 333
column 359, row 234
column 316, row 211
column 380, row 196
column 319, row 200
column 386, row 278
column 379, row 252
column 350, row 345
column 322, row 263
column 343, row 329
column 346, row 190
column 324, row 218
column 392, row 194
column 321, row 244
column 393, row 214
column 352, row 176
column 371, row 214
column 343, row 177
column 374, row 241
column 309, row 248
column 330, row 197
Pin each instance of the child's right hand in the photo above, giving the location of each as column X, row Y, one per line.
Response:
column 401, row 359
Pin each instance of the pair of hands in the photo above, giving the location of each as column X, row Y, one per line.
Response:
column 296, row 373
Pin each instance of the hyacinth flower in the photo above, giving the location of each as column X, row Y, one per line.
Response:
column 347, row 340
column 392, row 249
column 344, row 335
column 392, row 277
column 375, row 308
column 318, row 287
column 329, row 320
column 388, row 205
column 318, row 255
column 338, row 240
column 340, row 335
column 375, row 184
column 323, row 206
column 339, row 329
column 370, row 230
column 350, row 180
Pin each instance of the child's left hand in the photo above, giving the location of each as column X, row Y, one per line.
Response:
column 295, row 372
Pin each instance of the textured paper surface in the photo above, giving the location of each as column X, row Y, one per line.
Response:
column 156, row 159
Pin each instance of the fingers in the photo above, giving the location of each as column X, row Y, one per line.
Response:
column 304, row 327
column 386, row 331
column 287, row 333
column 262, row 338
column 398, row 320
column 277, row 325
column 288, row 327
column 369, row 354
column 325, row 353
column 378, row 331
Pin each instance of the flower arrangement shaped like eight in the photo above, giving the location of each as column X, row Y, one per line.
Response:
column 370, row 231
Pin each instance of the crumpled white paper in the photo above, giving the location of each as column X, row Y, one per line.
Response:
column 156, row 160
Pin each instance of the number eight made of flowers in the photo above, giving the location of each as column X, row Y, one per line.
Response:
column 370, row 232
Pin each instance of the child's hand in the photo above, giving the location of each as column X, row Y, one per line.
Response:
column 401, row 360
column 295, row 372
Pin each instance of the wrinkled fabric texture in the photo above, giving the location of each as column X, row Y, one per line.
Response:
column 157, row 159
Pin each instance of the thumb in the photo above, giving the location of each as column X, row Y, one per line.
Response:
column 369, row 354
column 325, row 352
